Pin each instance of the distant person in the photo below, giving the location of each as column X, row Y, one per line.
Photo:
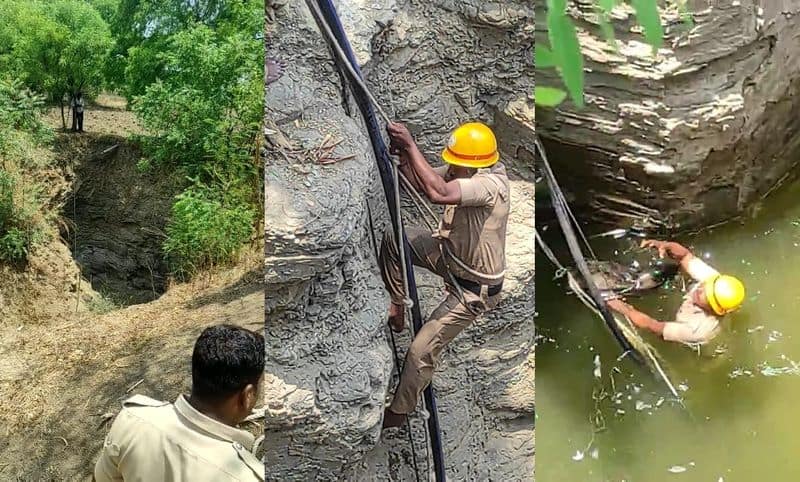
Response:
column 194, row 439
column 77, row 112
column 468, row 247
column 699, row 318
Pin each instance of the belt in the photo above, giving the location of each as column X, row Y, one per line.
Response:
column 475, row 288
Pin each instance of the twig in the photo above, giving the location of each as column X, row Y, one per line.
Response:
column 134, row 385
column 65, row 441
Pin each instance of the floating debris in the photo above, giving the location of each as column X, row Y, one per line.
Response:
column 595, row 453
column 640, row 405
column 597, row 372
column 677, row 469
column 769, row 371
column 774, row 336
column 578, row 456
column 738, row 372
column 755, row 329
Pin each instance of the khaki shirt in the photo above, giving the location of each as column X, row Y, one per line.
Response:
column 159, row 441
column 475, row 229
column 694, row 325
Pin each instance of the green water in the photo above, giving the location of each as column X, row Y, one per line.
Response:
column 742, row 393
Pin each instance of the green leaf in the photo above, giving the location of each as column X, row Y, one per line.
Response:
column 543, row 57
column 607, row 5
column 649, row 19
column 556, row 6
column 608, row 32
column 567, row 53
column 548, row 96
column 685, row 14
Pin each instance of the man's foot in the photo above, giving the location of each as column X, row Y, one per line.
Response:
column 391, row 419
column 275, row 70
column 397, row 317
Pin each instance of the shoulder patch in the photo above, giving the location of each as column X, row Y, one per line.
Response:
column 250, row 461
column 143, row 401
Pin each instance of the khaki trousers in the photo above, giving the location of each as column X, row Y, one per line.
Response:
column 444, row 323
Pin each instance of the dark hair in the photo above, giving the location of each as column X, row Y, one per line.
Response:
column 226, row 359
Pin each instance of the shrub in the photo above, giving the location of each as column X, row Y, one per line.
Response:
column 207, row 228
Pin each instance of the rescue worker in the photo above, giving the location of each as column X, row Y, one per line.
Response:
column 469, row 244
column 699, row 317
column 195, row 438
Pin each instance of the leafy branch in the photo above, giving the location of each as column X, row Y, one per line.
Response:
column 564, row 50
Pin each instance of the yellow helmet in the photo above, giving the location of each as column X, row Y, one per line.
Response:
column 471, row 145
column 724, row 293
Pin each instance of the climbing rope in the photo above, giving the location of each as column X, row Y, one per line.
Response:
column 326, row 17
column 397, row 362
column 569, row 234
column 643, row 352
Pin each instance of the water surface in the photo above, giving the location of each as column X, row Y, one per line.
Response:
column 741, row 420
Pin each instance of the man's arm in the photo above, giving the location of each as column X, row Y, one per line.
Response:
column 430, row 183
column 691, row 264
column 638, row 318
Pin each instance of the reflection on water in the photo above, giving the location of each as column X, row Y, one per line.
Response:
column 740, row 419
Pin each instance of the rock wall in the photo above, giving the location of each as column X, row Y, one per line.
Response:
column 687, row 138
column 118, row 216
column 329, row 361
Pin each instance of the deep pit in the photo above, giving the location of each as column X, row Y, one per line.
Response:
column 115, row 218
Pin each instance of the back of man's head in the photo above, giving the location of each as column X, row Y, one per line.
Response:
column 225, row 360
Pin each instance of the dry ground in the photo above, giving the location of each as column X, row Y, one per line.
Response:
column 65, row 367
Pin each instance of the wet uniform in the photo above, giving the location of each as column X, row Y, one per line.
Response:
column 693, row 325
column 474, row 231
column 152, row 440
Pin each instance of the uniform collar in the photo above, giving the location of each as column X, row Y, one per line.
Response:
column 212, row 427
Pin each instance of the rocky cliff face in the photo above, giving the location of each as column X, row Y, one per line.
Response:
column 330, row 365
column 691, row 136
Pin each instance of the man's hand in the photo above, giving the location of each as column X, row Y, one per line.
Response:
column 667, row 248
column 617, row 305
column 400, row 139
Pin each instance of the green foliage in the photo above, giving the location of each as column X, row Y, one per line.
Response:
column 21, row 126
column 103, row 303
column 143, row 29
column 564, row 53
column 20, row 227
column 57, row 47
column 21, row 131
column 208, row 227
column 203, row 111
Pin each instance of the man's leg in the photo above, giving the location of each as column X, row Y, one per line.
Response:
column 424, row 253
column 80, row 122
column 446, row 321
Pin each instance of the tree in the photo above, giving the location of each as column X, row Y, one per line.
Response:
column 144, row 27
column 59, row 47
column 564, row 51
column 201, row 101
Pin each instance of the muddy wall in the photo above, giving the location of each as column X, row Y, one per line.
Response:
column 693, row 135
column 330, row 366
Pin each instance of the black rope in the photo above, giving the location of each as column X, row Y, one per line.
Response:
column 326, row 17
column 397, row 362
column 575, row 249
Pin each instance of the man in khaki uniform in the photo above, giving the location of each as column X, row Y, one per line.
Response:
column 194, row 439
column 699, row 317
column 468, row 247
